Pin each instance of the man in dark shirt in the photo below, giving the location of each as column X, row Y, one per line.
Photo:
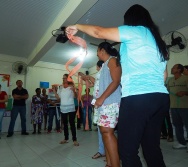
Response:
column 19, row 95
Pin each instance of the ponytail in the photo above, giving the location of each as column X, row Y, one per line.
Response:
column 110, row 50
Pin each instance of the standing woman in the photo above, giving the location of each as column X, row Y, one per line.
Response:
column 66, row 93
column 108, row 100
column 95, row 82
column 145, row 99
column 87, row 109
column 3, row 99
column 45, row 106
column 37, row 111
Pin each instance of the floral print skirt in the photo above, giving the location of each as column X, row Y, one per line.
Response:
column 107, row 116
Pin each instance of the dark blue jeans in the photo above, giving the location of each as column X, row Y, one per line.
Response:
column 52, row 113
column 139, row 123
column 14, row 114
column 84, row 110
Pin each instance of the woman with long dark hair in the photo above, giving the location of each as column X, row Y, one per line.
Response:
column 145, row 99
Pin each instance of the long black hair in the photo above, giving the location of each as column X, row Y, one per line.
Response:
column 110, row 50
column 137, row 15
column 99, row 63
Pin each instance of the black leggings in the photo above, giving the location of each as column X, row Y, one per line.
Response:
column 140, row 120
column 71, row 117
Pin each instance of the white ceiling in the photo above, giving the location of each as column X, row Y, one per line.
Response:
column 26, row 25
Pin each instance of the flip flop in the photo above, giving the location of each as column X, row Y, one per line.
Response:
column 63, row 141
column 97, row 155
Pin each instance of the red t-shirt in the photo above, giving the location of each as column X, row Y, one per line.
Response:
column 2, row 97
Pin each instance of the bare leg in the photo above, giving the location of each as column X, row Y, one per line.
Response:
column 110, row 142
column 107, row 157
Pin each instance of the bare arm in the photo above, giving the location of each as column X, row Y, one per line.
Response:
column 92, row 79
column 95, row 31
column 115, row 72
column 5, row 99
column 56, row 95
column 89, row 79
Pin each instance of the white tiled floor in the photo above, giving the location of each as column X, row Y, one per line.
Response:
column 45, row 151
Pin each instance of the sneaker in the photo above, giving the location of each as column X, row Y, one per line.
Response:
column 179, row 146
column 10, row 135
column 25, row 133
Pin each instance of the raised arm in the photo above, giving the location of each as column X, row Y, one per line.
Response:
column 111, row 34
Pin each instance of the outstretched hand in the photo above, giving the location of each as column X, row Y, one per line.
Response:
column 71, row 30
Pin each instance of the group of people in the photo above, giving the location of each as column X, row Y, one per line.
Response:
column 144, row 98
column 129, row 90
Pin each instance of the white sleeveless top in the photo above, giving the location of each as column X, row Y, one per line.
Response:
column 66, row 99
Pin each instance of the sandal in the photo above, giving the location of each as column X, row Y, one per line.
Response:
column 63, row 141
column 97, row 155
column 76, row 143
